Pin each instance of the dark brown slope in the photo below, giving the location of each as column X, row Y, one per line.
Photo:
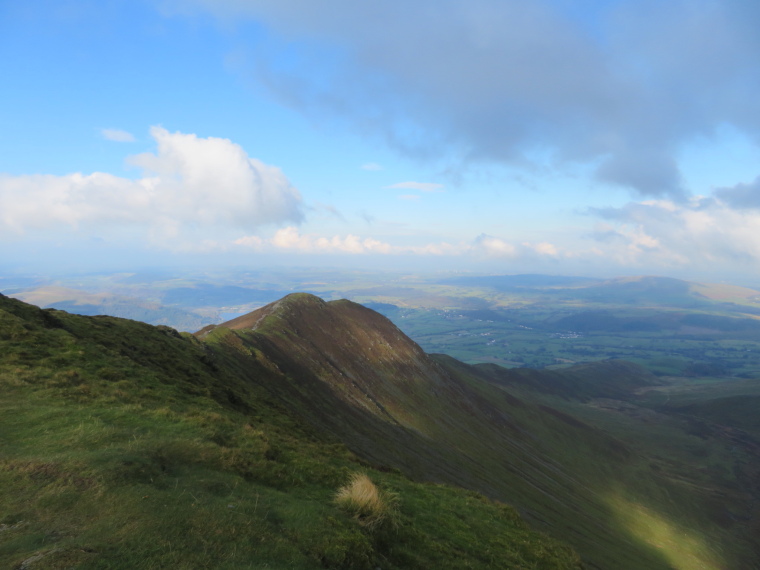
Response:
column 353, row 374
column 361, row 355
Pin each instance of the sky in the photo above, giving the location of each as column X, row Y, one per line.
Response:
column 583, row 137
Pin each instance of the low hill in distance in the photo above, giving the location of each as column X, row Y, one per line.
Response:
column 134, row 445
column 105, row 303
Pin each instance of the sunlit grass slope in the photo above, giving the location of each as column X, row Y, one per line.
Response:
column 691, row 445
column 129, row 446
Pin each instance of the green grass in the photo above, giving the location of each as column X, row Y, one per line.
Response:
column 694, row 479
column 127, row 446
column 563, row 474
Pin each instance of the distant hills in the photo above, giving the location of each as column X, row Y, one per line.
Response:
column 189, row 302
column 128, row 445
column 622, row 290
column 105, row 303
column 670, row 326
column 525, row 281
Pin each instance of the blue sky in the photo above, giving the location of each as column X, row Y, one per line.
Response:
column 596, row 137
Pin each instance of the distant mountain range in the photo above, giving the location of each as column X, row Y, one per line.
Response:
column 188, row 304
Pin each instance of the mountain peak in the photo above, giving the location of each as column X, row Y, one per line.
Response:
column 293, row 304
column 350, row 348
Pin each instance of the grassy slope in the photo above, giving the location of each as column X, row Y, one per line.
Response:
column 125, row 445
column 700, row 442
column 129, row 446
column 446, row 421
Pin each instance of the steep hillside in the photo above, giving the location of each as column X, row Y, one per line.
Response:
column 358, row 353
column 131, row 446
column 353, row 374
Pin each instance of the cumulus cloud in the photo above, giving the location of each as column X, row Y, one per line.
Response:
column 290, row 239
column 253, row 242
column 117, row 135
column 544, row 248
column 189, row 185
column 213, row 181
column 496, row 247
column 699, row 232
column 702, row 232
column 421, row 186
column 621, row 85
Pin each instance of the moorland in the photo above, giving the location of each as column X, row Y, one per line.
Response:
column 130, row 445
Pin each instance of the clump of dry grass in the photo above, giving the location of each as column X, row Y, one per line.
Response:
column 368, row 504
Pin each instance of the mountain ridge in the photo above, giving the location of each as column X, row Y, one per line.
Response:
column 452, row 418
column 132, row 446
column 355, row 380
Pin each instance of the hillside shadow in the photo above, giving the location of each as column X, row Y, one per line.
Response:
column 508, row 450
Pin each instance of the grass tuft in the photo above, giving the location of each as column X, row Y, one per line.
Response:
column 364, row 501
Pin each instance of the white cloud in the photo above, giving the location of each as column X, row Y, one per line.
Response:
column 253, row 242
column 44, row 201
column 190, row 185
column 700, row 233
column 371, row 166
column 621, row 85
column 213, row 181
column 422, row 186
column 496, row 247
column 441, row 249
column 544, row 248
column 290, row 239
column 117, row 135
